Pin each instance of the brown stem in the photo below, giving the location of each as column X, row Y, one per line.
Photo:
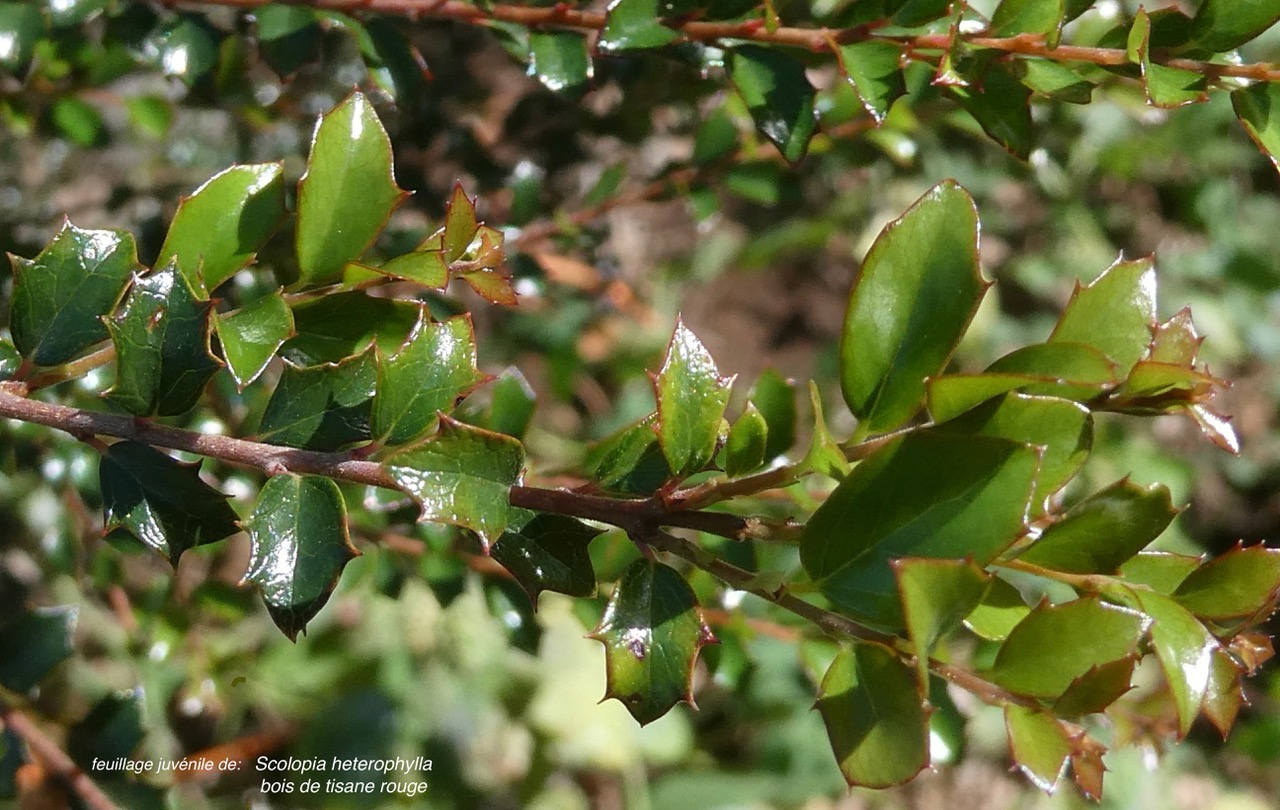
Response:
column 54, row 758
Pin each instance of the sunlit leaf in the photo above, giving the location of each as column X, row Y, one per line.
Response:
column 1115, row 313
column 634, row 25
column 321, row 407
column 252, row 335
column 779, row 96
column 1040, row 745
column 691, row 400
column 936, row 596
column 744, row 449
column 998, row 613
column 875, row 71
column 549, row 553
column 1237, row 584
column 559, row 60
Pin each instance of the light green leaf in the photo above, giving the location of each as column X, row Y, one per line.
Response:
column 1221, row 25
column 1115, row 313
column 1258, row 108
column 1039, row 745
column 874, row 69
column 775, row 397
column 1166, row 87
column 1014, row 17
column 936, row 596
column 1185, row 649
column 321, row 407
column 1097, row 689
column 559, row 60
column 777, row 94
column 337, row 326
column 1054, row 80
column 1176, row 341
column 1160, row 571
column 1075, row 371
column 999, row 612
column 425, row 267
column 825, row 456
column 549, row 553
column 252, row 335
column 460, row 225
column 512, row 405
column 691, row 400
column 744, row 449
column 1237, row 585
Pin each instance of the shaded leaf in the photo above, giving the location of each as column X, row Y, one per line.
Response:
column 112, row 729
column 288, row 35
column 252, row 335
column 10, row 359
column 1014, row 17
column 1220, row 25
column 321, row 407
column 825, row 456
column 744, row 449
column 1160, row 571
column 1097, row 688
column 631, row 461
column 1225, row 694
column 775, row 398
column 335, row 327
column 186, row 48
column 1258, row 108
column 1115, row 313
column 21, row 27
column 559, row 60
column 936, row 596
column 1235, row 585
column 512, row 405
column 777, row 94
column 33, row 643
column 1166, row 87
column 1002, row 107
column 1053, row 80
column 691, row 400
column 549, row 553
column 875, row 71
column 1039, row 744
column 998, row 613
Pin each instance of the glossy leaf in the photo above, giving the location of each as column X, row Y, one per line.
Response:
column 652, row 631
column 347, row 193
column 288, row 35
column 60, row 296
column 161, row 334
column 1220, row 25
column 461, row 475
column 998, row 613
column 1064, row 369
column 1002, row 107
column 1224, row 696
column 1115, row 313
column 252, row 335
column 342, row 325
column 559, row 60
column 494, row 287
column 912, row 301
column 691, row 400
column 460, row 225
column 1039, row 744
column 1014, row 17
column 1258, row 108
column 549, row 553
column 425, row 267
column 1237, row 584
column 1184, row 648
column 10, row 359
column 875, row 71
column 631, row 461
column 1097, row 688
column 33, row 643
column 632, row 25
column 936, row 596
column 1076, row 636
column 774, row 396
column 1160, row 571
column 222, row 225
column 777, row 94
column 1216, row 427
column 924, row 495
column 21, row 26
column 186, row 48
column 160, row 501
column 875, row 717
column 744, row 449
column 298, row 547
column 1053, row 80
column 1105, row 530
column 1166, row 87
column 321, row 407
column 1176, row 341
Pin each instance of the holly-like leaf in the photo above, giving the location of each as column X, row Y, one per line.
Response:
column 744, row 449
column 33, row 643
column 1002, row 107
column 874, row 69
column 652, row 631
column 1054, row 80
column 347, row 193
column 691, row 400
column 1225, row 694
column 1258, row 108
column 1013, row 17
column 1064, row 369
column 1097, row 688
column 998, row 613
column 1167, row 87
column 1057, row 644
column 160, row 501
column 918, row 289
column 161, row 334
column 60, row 296
column 631, row 461
column 1160, row 571
column 1184, row 647
column 559, row 59
column 433, row 370
column 777, row 94
column 1176, row 341
column 425, row 267
column 825, row 456
column 1220, row 25
column 220, row 227
column 1105, row 530
column 491, row 285
column 1115, row 313
column 875, row 717
column 549, row 553
column 936, row 596
column 632, row 25
column 251, row 336
column 463, row 476
column 775, row 398
column 1236, row 585
column 321, row 407
column 512, row 404
column 185, row 47
column 298, row 547
column 923, row 495
column 460, row 225
column 1040, row 744
column 112, row 729
column 335, row 327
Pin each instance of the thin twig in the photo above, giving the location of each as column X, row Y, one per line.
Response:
column 53, row 757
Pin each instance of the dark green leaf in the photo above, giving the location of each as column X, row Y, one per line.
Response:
column 1056, row 644
column 321, row 407
column 33, row 643
column 924, row 495
column 1160, row 571
column 252, row 335
column 513, row 400
column 716, row 138
column 425, row 267
column 775, row 397
column 1115, row 313
column 298, row 547
column 1014, row 17
column 433, row 370
column 691, row 400
column 1238, row 584
column 287, row 35
column 335, row 327
column 744, row 449
column 549, row 553
column 21, row 26
column 1220, row 25
column 652, row 630
column 394, row 63
column 10, row 359
column 66, row 13
column 1258, row 108
column 918, row 289
column 185, row 48
column 1040, row 745
column 60, row 296
column 1105, row 530
column 559, row 60
column 875, row 71
column 632, row 25
column 461, row 475
column 631, row 461
column 875, row 717
column 1185, row 650
column 1097, row 689
column 347, row 193
column 161, row 334
column 162, row 502
column 1002, row 107
column 936, row 596
column 220, row 227
column 112, row 729
column 1167, row 87
column 777, row 94
column 999, row 612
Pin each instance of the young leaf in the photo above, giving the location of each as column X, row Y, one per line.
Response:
column 924, row 495
column 1221, row 25
column 1176, row 341
column 1115, row 313
column 491, row 285
column 875, row 718
column 825, row 456
column 1002, row 107
column 998, row 613
column 1070, row 370
column 1184, row 647
column 559, row 60
column 632, row 25
column 1097, row 688
column 342, row 325
column 425, row 267
column 60, row 296
column 186, row 48
column 691, row 400
column 936, row 596
column 1040, row 745
column 298, row 547
column 744, row 449
column 460, row 225
column 347, row 193
column 652, row 631
column 775, row 397
column 321, row 407
column 161, row 334
column 162, row 502
column 1239, row 584
column 461, row 475
column 1225, row 694
column 777, row 94
column 631, row 461
column 874, row 69
column 549, row 553
column 433, row 370
column 1258, row 108
column 251, row 336
column 1167, row 87
column 221, row 226
column 34, row 643
column 918, row 289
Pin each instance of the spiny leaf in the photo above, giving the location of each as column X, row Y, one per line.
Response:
column 559, row 59
column 321, row 407
column 1040, row 745
column 1166, row 87
column 825, row 456
column 1002, row 107
column 1160, row 571
column 998, row 613
column 1225, row 694
column 251, row 336
column 1236, row 585
column 549, row 553
column 1176, row 341
column 1258, row 108
column 936, row 596
column 161, row 502
column 691, row 400
column 1115, row 313
column 652, row 631
column 777, row 94
column 342, row 325
column 425, row 267
column 632, row 25
column 298, row 547
column 631, row 460
column 744, row 449
column 1097, row 688
column 33, row 643
column 875, row 71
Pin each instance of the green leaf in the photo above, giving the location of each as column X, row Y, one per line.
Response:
column 60, row 296
column 1258, row 108
column 1097, row 689
column 151, row 115
column 1002, row 107
column 161, row 334
column 1062, row 368
column 744, row 449
column 461, row 475
column 775, row 398
column 1053, row 80
column 1184, row 648
column 321, row 407
column 347, row 193
column 1105, row 530
column 825, row 456
column 1057, row 644
column 936, row 596
column 1176, row 341
column 112, row 729
column 394, row 63
column 298, row 547
column 10, row 359
column 632, row 25
column 652, row 631
column 1160, row 571
column 288, row 35
column 559, row 60
column 186, row 48
column 460, row 225
column 1221, row 25
column 691, row 400
column 33, row 643
column 425, row 267
column 1115, row 313
column 777, row 94
column 1236, row 585
column 875, row 717
column 513, row 401
column 1225, row 694
column 923, row 495
column 434, row 369
column 337, row 326
column 1167, row 87
column 222, row 225
column 874, row 69
column 160, row 501
column 252, row 335
column 631, row 461
column 1014, row 17
column 21, row 27
column 549, row 553
column 78, row 121
column 918, row 289
column 998, row 613
column 1039, row 744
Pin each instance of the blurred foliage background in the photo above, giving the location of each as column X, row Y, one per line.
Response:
column 647, row 194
